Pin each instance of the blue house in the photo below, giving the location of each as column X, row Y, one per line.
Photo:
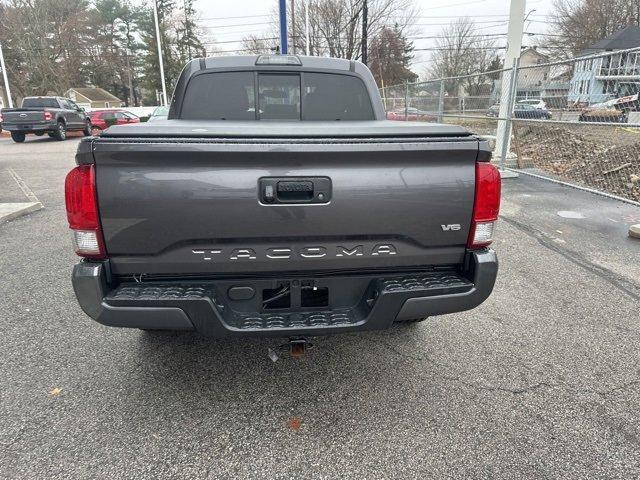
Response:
column 597, row 80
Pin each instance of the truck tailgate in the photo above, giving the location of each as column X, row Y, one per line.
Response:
column 197, row 206
column 19, row 116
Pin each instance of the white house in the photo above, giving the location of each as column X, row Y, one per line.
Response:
column 532, row 78
column 93, row 98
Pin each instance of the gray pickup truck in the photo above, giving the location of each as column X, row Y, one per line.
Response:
column 39, row 115
column 276, row 199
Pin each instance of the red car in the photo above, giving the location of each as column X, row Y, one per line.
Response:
column 101, row 119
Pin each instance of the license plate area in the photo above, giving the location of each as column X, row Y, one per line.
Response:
column 292, row 294
column 295, row 295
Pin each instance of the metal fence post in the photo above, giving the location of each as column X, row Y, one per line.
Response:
column 505, row 133
column 406, row 100
column 441, row 102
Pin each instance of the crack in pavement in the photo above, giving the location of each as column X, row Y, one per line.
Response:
column 493, row 388
column 618, row 281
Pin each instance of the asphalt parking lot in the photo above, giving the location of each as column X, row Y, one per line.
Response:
column 541, row 381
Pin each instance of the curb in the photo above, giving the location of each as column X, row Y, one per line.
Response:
column 506, row 173
column 11, row 211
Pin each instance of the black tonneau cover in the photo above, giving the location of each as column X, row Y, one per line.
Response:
column 283, row 129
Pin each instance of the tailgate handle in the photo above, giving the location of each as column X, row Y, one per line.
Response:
column 295, row 191
column 304, row 190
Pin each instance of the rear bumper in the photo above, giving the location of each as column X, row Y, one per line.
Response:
column 30, row 127
column 204, row 306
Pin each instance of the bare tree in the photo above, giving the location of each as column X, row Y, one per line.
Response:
column 461, row 50
column 335, row 26
column 257, row 45
column 580, row 23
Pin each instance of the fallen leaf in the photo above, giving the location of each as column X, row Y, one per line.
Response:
column 294, row 423
column 56, row 391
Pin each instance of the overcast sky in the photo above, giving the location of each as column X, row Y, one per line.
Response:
column 229, row 21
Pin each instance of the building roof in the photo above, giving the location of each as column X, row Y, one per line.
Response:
column 534, row 51
column 96, row 94
column 628, row 37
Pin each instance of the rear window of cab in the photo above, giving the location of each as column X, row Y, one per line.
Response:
column 279, row 96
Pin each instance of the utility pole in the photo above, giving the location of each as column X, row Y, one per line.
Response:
column 514, row 45
column 306, row 25
column 293, row 27
column 6, row 78
column 365, row 20
column 164, row 85
column 283, row 27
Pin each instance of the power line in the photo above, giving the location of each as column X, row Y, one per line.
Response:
column 239, row 16
column 240, row 24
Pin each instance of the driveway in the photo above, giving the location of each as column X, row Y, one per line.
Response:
column 541, row 381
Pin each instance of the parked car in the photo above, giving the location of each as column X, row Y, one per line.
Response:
column 39, row 115
column 103, row 119
column 295, row 210
column 159, row 113
column 531, row 112
column 494, row 110
column 534, row 102
column 411, row 114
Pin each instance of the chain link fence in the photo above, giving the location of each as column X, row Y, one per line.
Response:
column 575, row 121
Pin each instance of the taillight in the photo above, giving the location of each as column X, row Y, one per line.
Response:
column 82, row 211
column 486, row 205
column 48, row 116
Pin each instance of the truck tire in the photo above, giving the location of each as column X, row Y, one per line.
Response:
column 60, row 133
column 18, row 137
column 38, row 134
column 86, row 131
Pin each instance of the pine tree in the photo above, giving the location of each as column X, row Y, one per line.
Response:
column 390, row 57
column 189, row 44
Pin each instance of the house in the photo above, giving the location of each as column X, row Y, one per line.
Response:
column 93, row 98
column 598, row 79
column 530, row 77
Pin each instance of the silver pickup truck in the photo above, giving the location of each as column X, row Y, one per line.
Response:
column 54, row 116
column 276, row 199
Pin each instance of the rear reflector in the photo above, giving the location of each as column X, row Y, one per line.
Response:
column 82, row 212
column 486, row 206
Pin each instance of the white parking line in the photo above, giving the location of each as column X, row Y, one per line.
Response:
column 23, row 186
